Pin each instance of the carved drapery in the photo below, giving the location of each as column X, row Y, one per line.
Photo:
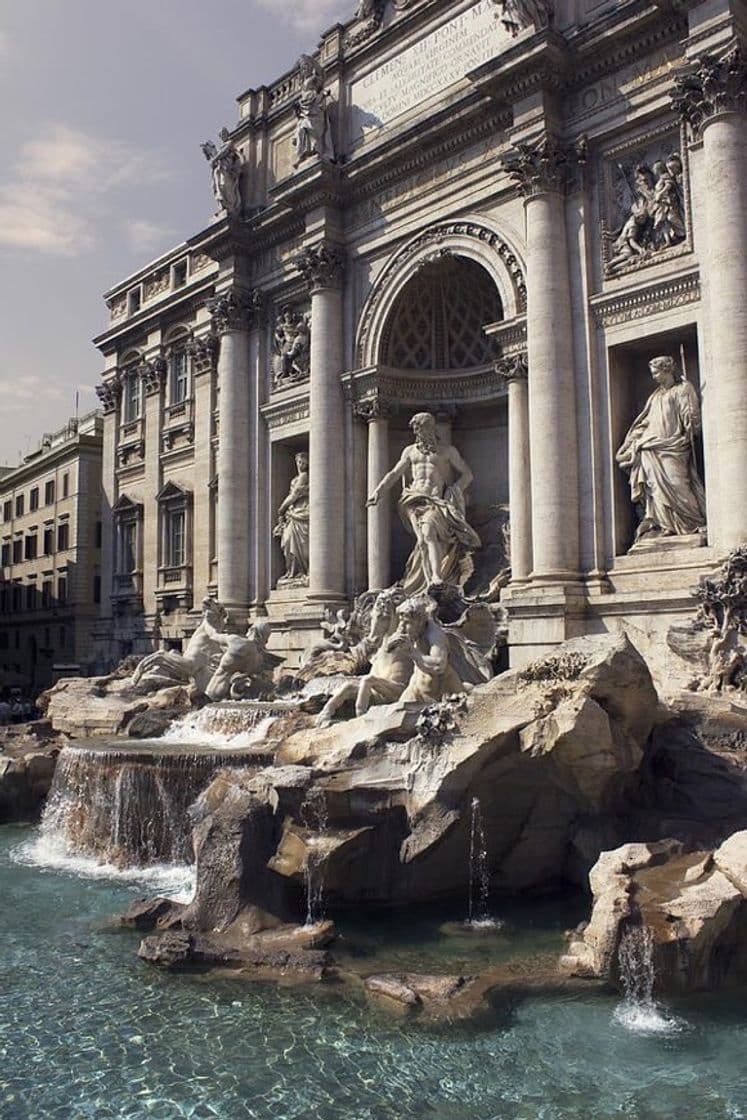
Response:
column 540, row 166
column 322, row 266
column 715, row 84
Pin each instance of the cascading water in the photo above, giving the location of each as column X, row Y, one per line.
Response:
column 237, row 724
column 478, row 917
column 126, row 807
column 315, row 819
column 638, row 1010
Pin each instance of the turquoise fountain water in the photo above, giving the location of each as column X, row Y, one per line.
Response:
column 86, row 1030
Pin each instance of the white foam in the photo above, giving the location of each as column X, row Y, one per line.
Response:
column 645, row 1018
column 191, row 732
column 50, row 853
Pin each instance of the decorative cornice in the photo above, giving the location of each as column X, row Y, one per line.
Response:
column 540, row 166
column 204, row 352
column 234, row 309
column 322, row 266
column 513, row 368
column 153, row 373
column 278, row 414
column 109, row 393
column 715, row 84
column 624, row 307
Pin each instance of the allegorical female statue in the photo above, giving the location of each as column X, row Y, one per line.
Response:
column 313, row 134
column 434, row 477
column 659, row 454
column 293, row 523
column 225, row 165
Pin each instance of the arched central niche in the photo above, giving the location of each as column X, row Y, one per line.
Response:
column 437, row 319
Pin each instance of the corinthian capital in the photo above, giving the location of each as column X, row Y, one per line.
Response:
column 203, row 351
column 322, row 266
column 540, row 166
column 153, row 374
column 714, row 84
column 513, row 368
column 109, row 393
column 234, row 309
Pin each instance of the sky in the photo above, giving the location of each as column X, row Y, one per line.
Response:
column 103, row 106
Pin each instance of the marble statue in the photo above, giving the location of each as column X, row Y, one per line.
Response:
column 225, row 163
column 313, row 134
column 413, row 656
column 292, row 346
column 518, row 14
column 656, row 219
column 715, row 641
column 434, row 478
column 659, row 454
column 196, row 664
column 244, row 661
column 292, row 527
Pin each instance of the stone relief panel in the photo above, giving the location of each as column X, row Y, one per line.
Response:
column 291, row 346
column 645, row 202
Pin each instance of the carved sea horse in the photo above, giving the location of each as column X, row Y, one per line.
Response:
column 198, row 661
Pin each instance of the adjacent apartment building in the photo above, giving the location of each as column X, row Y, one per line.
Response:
column 50, row 541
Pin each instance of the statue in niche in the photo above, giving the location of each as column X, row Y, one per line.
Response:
column 313, row 133
column 292, row 345
column 413, row 656
column 659, row 454
column 656, row 218
column 292, row 527
column 434, row 477
column 518, row 14
column 225, row 163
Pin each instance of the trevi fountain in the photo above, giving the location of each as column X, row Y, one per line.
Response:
column 412, row 783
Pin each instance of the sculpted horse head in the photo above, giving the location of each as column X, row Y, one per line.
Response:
column 383, row 618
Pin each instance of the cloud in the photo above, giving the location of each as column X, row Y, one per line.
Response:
column 20, row 390
column 144, row 236
column 59, row 184
column 310, row 15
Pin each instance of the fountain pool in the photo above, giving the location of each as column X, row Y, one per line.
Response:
column 86, row 1030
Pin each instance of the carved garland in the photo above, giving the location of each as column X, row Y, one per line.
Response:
column 436, row 236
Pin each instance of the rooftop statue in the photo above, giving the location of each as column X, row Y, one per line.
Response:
column 225, row 163
column 313, row 134
column 292, row 527
column 518, row 14
column 434, row 478
column 659, row 454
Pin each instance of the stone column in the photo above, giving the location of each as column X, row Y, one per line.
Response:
column 203, row 352
column 712, row 99
column 109, row 394
column 375, row 411
column 540, row 170
column 153, row 374
column 514, row 372
column 231, row 317
column 322, row 268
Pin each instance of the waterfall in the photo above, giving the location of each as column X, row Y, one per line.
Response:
column 315, row 818
column 478, row 916
column 638, row 1011
column 234, row 724
column 126, row 807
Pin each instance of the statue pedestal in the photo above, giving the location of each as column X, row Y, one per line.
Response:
column 670, row 544
column 295, row 619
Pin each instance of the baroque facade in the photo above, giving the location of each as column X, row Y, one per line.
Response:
column 50, row 553
column 497, row 213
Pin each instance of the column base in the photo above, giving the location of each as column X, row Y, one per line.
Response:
column 295, row 617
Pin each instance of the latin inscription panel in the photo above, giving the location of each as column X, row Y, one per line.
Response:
column 427, row 67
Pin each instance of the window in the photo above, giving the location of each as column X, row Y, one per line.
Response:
column 30, row 597
column 63, row 536
column 29, row 549
column 19, row 505
column 17, row 596
column 4, row 601
column 62, row 589
column 178, row 377
column 98, row 534
column 47, row 594
column 131, row 397
column 63, row 637
column 34, row 499
column 175, row 538
column 179, row 275
column 48, row 542
column 49, row 492
column 65, row 484
column 127, row 547
column 5, row 556
column 7, row 511
column 133, row 301
column 97, row 589
column 17, row 550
